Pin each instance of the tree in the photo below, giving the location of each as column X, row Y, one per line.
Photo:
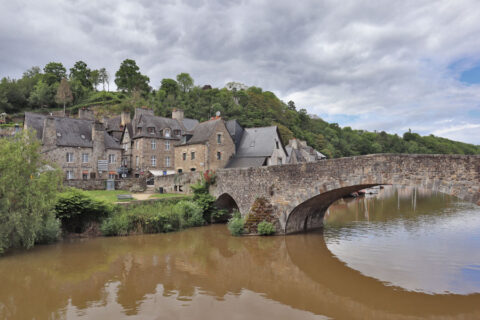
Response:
column 64, row 94
column 103, row 78
column 128, row 77
column 185, row 82
column 95, row 78
column 27, row 193
column 170, row 87
column 42, row 95
column 81, row 72
column 54, row 72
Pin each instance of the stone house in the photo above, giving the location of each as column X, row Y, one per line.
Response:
column 149, row 141
column 298, row 151
column 80, row 147
column 208, row 147
column 258, row 147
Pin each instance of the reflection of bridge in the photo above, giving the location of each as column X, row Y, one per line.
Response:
column 301, row 193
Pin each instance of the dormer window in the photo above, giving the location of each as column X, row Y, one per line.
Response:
column 167, row 133
column 278, row 146
column 139, row 129
column 177, row 132
column 151, row 130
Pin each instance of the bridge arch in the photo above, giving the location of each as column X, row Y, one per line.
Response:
column 226, row 202
column 309, row 214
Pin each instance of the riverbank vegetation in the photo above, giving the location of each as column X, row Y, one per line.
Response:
column 27, row 194
column 251, row 106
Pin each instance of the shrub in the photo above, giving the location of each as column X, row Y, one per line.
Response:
column 76, row 209
column 204, row 199
column 265, row 228
column 190, row 213
column 236, row 224
column 49, row 231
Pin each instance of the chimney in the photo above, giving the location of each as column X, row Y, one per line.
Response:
column 86, row 114
column 49, row 134
column 98, row 141
column 177, row 114
column 125, row 118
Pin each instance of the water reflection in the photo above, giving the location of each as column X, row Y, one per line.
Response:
column 204, row 273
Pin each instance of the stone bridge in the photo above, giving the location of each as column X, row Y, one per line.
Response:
column 295, row 197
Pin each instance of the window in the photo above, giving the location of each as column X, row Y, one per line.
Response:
column 111, row 158
column 219, row 138
column 167, row 145
column 136, row 144
column 167, row 133
column 219, row 156
column 125, row 146
column 70, row 175
column 153, row 143
column 92, row 175
column 278, row 146
column 85, row 175
column 192, row 155
column 167, row 161
column 192, row 169
column 180, row 170
column 69, row 157
column 112, row 176
column 177, row 132
column 279, row 160
column 184, row 156
column 154, row 161
column 151, row 130
column 85, row 157
column 137, row 162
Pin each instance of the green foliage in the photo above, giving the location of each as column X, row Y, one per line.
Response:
column 236, row 224
column 54, row 72
column 76, row 209
column 205, row 200
column 185, row 82
column 153, row 218
column 128, row 77
column 27, row 193
column 50, row 229
column 265, row 228
column 81, row 73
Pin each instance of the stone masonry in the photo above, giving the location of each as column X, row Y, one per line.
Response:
column 301, row 193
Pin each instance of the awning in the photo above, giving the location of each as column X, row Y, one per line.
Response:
column 84, row 172
column 112, row 172
column 157, row 173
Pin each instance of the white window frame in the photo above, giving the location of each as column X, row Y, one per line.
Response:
column 167, row 161
column 85, row 157
column 167, row 133
column 110, row 157
column 153, row 144
column 167, row 145
column 69, row 157
column 70, row 175
column 153, row 161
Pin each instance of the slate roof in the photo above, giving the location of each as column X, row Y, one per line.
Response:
column 235, row 130
column 257, row 142
column 159, row 123
column 189, row 124
column 246, row 162
column 202, row 132
column 70, row 132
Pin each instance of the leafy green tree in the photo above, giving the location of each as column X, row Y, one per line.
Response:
column 54, row 72
column 42, row 95
column 81, row 72
column 185, row 82
column 128, row 78
column 27, row 192
column 170, row 87
column 95, row 78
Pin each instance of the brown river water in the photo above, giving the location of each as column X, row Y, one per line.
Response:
column 402, row 254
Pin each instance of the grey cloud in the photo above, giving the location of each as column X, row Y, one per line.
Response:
column 373, row 58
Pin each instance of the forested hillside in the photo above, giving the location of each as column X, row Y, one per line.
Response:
column 43, row 90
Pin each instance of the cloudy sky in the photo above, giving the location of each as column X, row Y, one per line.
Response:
column 376, row 65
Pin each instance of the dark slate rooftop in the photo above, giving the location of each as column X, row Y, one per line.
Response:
column 189, row 124
column 235, row 130
column 70, row 132
column 203, row 131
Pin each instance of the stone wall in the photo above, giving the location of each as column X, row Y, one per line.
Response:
column 178, row 183
column 301, row 192
column 97, row 184
column 145, row 153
